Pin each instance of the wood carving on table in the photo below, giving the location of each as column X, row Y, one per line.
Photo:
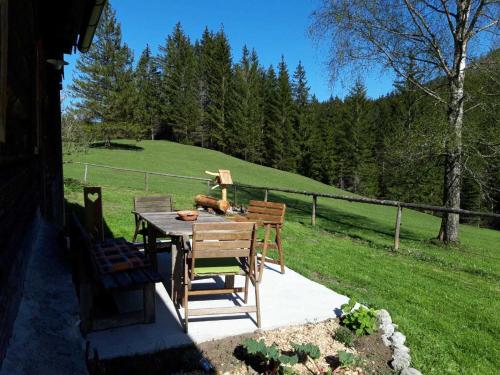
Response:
column 223, row 179
column 217, row 205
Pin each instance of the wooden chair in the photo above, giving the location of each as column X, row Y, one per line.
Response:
column 94, row 223
column 160, row 203
column 221, row 249
column 271, row 216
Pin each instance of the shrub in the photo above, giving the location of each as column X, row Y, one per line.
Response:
column 363, row 321
column 72, row 184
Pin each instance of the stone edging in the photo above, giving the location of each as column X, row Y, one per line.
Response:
column 401, row 358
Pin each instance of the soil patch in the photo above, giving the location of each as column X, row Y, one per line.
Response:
column 375, row 354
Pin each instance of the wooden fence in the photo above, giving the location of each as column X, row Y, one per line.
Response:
column 314, row 195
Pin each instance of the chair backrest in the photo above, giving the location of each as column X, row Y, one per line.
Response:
column 158, row 203
column 223, row 240
column 92, row 198
column 266, row 212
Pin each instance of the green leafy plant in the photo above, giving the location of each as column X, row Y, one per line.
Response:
column 345, row 336
column 270, row 357
column 347, row 307
column 307, row 352
column 362, row 321
column 347, row 359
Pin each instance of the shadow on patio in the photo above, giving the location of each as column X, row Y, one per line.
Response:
column 287, row 299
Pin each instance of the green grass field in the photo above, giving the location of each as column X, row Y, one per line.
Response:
column 446, row 300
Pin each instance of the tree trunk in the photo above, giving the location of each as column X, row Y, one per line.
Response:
column 453, row 164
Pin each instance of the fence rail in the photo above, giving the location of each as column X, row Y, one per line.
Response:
column 266, row 189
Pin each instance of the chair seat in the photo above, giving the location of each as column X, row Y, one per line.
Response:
column 206, row 266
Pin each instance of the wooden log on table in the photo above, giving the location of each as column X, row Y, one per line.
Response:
column 211, row 202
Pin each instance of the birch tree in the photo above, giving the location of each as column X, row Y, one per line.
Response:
column 438, row 37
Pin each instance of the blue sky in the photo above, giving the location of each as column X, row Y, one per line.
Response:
column 272, row 27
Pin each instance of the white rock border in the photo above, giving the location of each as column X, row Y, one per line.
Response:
column 401, row 358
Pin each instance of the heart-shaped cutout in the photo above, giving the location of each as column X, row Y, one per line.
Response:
column 93, row 197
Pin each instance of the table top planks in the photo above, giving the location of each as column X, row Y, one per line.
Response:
column 170, row 224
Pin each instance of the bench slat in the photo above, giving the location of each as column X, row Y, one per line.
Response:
column 108, row 282
column 122, row 279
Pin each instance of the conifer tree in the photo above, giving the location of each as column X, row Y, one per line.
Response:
column 216, row 58
column 238, row 125
column 203, row 51
column 273, row 130
column 146, row 108
column 349, row 146
column 103, row 82
column 255, row 114
column 179, row 106
column 302, row 121
column 322, row 159
column 286, row 111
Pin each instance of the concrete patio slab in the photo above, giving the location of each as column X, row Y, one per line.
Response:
column 288, row 299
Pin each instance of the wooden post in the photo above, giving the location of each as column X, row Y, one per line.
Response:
column 398, row 225
column 85, row 173
column 146, row 182
column 265, row 195
column 223, row 189
column 4, row 39
column 148, row 295
column 235, row 197
column 313, row 214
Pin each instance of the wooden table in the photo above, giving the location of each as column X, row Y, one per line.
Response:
column 169, row 225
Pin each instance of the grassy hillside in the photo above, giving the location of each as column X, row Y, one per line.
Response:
column 446, row 300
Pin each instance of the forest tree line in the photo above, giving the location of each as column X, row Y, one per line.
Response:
column 195, row 92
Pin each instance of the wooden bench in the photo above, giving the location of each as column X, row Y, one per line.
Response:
column 106, row 268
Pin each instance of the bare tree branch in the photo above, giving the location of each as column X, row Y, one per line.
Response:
column 417, row 16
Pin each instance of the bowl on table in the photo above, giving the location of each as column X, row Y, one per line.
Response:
column 188, row 215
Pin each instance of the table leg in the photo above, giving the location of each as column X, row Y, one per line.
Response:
column 180, row 277
column 229, row 281
column 151, row 247
column 173, row 261
column 179, row 251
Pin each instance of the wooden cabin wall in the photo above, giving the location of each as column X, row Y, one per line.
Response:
column 30, row 158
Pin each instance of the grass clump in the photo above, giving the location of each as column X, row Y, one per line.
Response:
column 345, row 336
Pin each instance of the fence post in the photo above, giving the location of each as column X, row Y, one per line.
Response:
column 208, row 187
column 265, row 195
column 146, row 182
column 235, row 195
column 313, row 215
column 85, row 173
column 398, row 226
